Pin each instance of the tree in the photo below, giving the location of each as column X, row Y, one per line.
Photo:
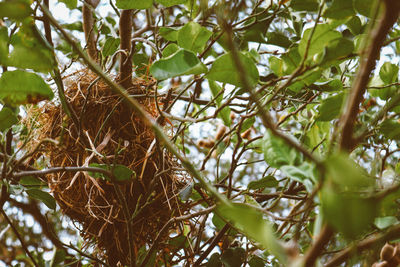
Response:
column 230, row 133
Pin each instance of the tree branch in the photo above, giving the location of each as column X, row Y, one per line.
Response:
column 88, row 27
column 367, row 65
column 125, row 34
column 370, row 242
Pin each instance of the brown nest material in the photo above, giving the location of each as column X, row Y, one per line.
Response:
column 120, row 138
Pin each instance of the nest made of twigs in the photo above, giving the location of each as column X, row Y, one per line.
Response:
column 120, row 137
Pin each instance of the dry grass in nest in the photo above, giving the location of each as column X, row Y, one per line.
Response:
column 122, row 138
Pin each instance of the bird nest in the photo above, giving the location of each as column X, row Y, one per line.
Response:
column 109, row 133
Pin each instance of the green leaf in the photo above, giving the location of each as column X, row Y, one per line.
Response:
column 31, row 181
column 304, row 5
column 141, row 61
column 247, row 124
column 354, row 25
column 278, row 39
column 3, row 45
column 31, row 51
column 134, row 4
column 339, row 9
column 224, row 70
column 169, row 34
column 121, row 172
column 349, row 213
column 343, row 171
column 59, row 256
column 251, row 222
column 268, row 181
column 364, row 7
column 330, row 108
column 193, row 37
column 214, row 260
column 276, row 152
column 299, row 173
column 71, row 4
column 276, row 65
column 337, row 49
column 168, row 3
column 344, row 207
column 15, row 9
column 233, row 257
column 169, row 50
column 328, row 86
column 21, row 87
column 225, row 113
column 385, row 222
column 390, row 129
column 256, row 261
column 183, row 62
column 110, row 46
column 291, row 60
column 44, row 197
column 389, row 72
column 321, row 38
column 7, row 119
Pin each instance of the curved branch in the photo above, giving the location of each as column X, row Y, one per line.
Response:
column 367, row 65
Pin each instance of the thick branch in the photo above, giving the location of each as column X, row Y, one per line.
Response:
column 318, row 246
column 367, row 65
column 88, row 27
column 368, row 243
column 125, row 34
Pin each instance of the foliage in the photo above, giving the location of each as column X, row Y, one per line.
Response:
column 280, row 117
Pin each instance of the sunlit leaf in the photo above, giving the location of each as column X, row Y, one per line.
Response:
column 31, row 51
column 321, row 38
column 168, row 3
column 169, row 50
column 385, row 222
column 134, row 4
column 354, row 25
column 193, row 37
column 224, row 70
column 182, row 62
column 21, row 87
column 71, row 4
column 110, row 46
column 170, row 34
column 277, row 152
column 328, row 86
column 389, row 72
